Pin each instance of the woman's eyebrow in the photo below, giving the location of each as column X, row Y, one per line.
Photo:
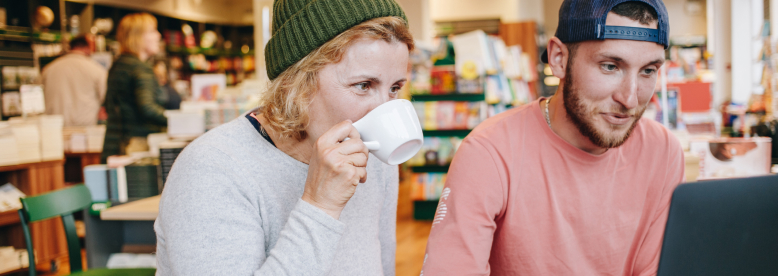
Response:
column 370, row 78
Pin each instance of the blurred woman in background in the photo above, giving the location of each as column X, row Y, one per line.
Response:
column 169, row 97
column 131, row 101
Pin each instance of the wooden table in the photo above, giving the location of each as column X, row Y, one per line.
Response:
column 144, row 209
column 128, row 227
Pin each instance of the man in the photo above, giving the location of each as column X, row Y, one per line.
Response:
column 577, row 184
column 74, row 85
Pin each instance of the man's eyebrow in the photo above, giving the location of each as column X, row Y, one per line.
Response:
column 658, row 61
column 615, row 58
column 612, row 57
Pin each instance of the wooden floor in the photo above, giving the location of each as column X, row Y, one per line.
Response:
column 411, row 236
column 411, row 239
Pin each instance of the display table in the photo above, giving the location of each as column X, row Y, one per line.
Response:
column 48, row 236
column 128, row 227
column 144, row 209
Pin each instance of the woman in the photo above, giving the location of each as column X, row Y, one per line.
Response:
column 280, row 191
column 167, row 95
column 131, row 97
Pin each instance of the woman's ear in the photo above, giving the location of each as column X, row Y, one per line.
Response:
column 557, row 57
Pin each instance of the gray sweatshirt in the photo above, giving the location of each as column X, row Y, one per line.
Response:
column 231, row 206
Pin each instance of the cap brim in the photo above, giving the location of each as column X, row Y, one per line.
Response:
column 544, row 56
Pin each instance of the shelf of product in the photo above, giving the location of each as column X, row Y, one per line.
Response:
column 28, row 35
column 9, row 217
column 430, row 169
column 435, row 154
column 427, row 186
column 441, row 133
column 453, row 89
column 448, row 97
column 450, row 115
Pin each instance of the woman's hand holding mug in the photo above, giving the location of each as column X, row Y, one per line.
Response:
column 336, row 168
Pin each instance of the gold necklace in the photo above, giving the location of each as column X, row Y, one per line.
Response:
column 548, row 120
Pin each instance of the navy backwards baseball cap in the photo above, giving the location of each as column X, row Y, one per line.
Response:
column 582, row 20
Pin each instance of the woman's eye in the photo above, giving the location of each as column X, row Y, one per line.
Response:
column 362, row 86
column 396, row 89
column 608, row 67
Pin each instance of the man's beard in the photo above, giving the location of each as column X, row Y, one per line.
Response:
column 583, row 114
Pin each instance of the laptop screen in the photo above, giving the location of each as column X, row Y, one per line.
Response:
column 722, row 227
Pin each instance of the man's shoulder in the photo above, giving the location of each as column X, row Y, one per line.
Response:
column 69, row 61
column 504, row 125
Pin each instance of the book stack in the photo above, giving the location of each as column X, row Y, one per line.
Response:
column 95, row 135
column 9, row 198
column 13, row 259
column 183, row 124
column 121, row 184
column 28, row 139
column 83, row 138
column 102, row 182
column 141, row 181
column 119, row 162
column 10, row 156
column 50, row 128
column 168, row 152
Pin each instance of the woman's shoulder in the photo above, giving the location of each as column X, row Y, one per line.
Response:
column 217, row 154
column 229, row 138
column 236, row 143
column 129, row 63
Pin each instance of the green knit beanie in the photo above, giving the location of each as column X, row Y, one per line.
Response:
column 302, row 26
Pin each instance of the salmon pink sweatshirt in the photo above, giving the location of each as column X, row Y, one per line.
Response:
column 520, row 200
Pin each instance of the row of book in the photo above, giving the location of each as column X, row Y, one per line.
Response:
column 140, row 175
column 427, row 186
column 121, row 184
column 450, row 115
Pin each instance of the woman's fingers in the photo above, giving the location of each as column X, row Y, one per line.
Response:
column 362, row 173
column 357, row 159
column 352, row 146
column 338, row 133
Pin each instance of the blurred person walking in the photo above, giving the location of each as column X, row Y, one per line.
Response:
column 74, row 85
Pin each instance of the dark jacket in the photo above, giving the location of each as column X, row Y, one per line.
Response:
column 131, row 103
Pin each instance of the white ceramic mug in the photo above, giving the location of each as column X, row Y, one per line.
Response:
column 391, row 131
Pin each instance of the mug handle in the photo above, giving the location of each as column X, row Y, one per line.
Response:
column 371, row 145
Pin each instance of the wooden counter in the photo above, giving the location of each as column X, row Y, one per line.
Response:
column 48, row 236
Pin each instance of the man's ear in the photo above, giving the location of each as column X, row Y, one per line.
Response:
column 557, row 57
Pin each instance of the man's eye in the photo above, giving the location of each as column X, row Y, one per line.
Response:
column 608, row 67
column 362, row 86
column 649, row 71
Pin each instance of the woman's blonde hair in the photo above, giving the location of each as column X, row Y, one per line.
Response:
column 285, row 104
column 131, row 29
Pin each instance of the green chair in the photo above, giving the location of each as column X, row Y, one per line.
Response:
column 64, row 203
